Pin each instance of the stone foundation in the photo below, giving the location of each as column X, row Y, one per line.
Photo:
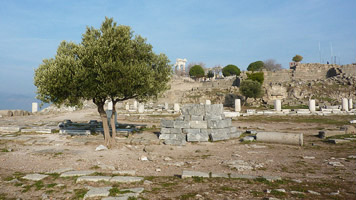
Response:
column 198, row 123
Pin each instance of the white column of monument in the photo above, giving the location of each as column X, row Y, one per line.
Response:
column 237, row 105
column 34, row 107
column 141, row 107
column 345, row 104
column 351, row 106
column 312, row 105
column 277, row 105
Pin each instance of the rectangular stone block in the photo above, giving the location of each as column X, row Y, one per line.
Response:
column 171, row 136
column 197, row 137
column 208, row 117
column 198, row 124
column 236, row 134
column 219, row 134
column 189, row 174
column 176, row 131
column 185, row 109
column 181, row 124
column 197, row 109
column 196, row 118
column 224, row 123
column 165, row 130
column 214, row 109
column 233, row 129
column 175, row 142
column 193, row 131
column 186, row 117
column 167, row 123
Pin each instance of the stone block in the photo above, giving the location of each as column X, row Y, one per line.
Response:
column 233, row 129
column 196, row 118
column 93, row 178
column 186, row 117
column 166, row 130
column 219, row 134
column 284, row 138
column 219, row 175
column 243, row 176
column 217, row 117
column 171, row 136
column 10, row 129
column 189, row 174
column 190, row 130
column 97, row 192
column 198, row 124
column 224, row 123
column 236, row 134
column 125, row 172
column 34, row 177
column 325, row 134
column 125, row 179
column 76, row 173
column 214, row 109
column 197, row 137
column 167, row 123
column 181, row 124
column 175, row 142
column 197, row 109
column 232, row 114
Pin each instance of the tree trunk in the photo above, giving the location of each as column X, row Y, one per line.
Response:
column 113, row 124
column 104, row 118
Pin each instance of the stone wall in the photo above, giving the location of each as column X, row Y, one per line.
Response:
column 198, row 123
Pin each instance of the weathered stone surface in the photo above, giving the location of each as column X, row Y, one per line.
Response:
column 34, row 177
column 167, row 123
column 271, row 178
column 165, row 130
column 175, row 142
column 284, row 138
column 93, row 178
column 172, row 137
column 198, row 124
column 215, row 117
column 219, row 175
column 76, row 173
column 248, row 139
column 348, row 129
column 224, row 123
column 189, row 174
column 219, row 134
column 125, row 172
column 243, row 176
column 197, row 137
column 338, row 141
column 74, row 132
column 10, row 129
column 97, row 192
column 313, row 192
column 196, row 118
column 101, row 148
column 214, row 109
column 37, row 130
column 236, row 134
column 181, row 124
column 126, row 179
column 324, row 134
column 193, row 131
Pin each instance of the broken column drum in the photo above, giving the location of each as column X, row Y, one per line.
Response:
column 351, row 106
column 284, row 138
column 176, row 107
column 198, row 123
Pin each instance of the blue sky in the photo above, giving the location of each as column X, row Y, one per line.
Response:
column 213, row 32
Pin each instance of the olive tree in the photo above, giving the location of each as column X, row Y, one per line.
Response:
column 255, row 66
column 250, row 89
column 110, row 64
column 230, row 70
column 196, row 71
column 297, row 58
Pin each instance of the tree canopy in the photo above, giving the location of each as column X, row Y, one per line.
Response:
column 257, row 76
column 210, row 74
column 255, row 66
column 196, row 71
column 230, row 70
column 250, row 89
column 297, row 58
column 271, row 65
column 110, row 64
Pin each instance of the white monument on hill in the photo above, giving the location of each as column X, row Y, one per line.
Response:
column 180, row 65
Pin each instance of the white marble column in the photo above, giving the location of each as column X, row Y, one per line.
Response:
column 277, row 105
column 141, row 108
column 312, row 105
column 345, row 104
column 237, row 105
column 351, row 105
column 34, row 107
column 176, row 107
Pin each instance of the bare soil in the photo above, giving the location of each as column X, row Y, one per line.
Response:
column 21, row 154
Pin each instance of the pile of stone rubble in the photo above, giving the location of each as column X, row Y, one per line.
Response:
column 198, row 123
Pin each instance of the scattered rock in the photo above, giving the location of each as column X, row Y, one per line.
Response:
column 34, row 177
column 248, row 139
column 147, row 182
column 296, row 192
column 167, row 159
column 106, row 167
column 352, row 157
column 76, row 173
column 335, row 193
column 336, row 164
column 93, row 178
column 239, row 165
column 308, row 157
column 125, row 179
column 297, row 181
column 348, row 129
column 158, row 170
column 280, row 190
column 97, row 192
column 143, row 158
column 101, row 148
column 313, row 192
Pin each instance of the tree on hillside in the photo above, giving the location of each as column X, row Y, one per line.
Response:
column 271, row 65
column 230, row 70
column 196, row 71
column 250, row 89
column 110, row 63
column 191, row 64
column 255, row 66
column 297, row 58
column 257, row 76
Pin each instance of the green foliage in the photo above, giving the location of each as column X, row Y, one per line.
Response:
column 297, row 58
column 196, row 71
column 210, row 74
column 230, row 70
column 255, row 66
column 110, row 63
column 258, row 76
column 250, row 89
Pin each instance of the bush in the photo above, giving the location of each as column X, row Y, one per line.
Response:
column 258, row 76
column 250, row 89
column 230, row 70
column 210, row 74
column 255, row 66
column 297, row 58
column 196, row 71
